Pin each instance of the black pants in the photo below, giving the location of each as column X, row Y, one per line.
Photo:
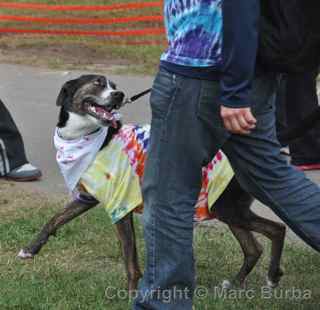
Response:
column 12, row 153
column 297, row 98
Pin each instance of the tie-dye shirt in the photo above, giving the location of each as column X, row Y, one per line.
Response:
column 214, row 40
column 194, row 32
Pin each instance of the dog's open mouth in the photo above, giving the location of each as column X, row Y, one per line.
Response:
column 102, row 109
column 102, row 113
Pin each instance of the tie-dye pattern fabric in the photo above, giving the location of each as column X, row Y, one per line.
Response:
column 115, row 176
column 135, row 139
column 215, row 178
column 194, row 32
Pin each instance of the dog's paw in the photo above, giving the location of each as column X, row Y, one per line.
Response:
column 24, row 255
column 273, row 278
column 226, row 285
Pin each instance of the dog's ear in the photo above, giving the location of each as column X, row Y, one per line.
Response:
column 67, row 91
column 69, row 88
column 62, row 97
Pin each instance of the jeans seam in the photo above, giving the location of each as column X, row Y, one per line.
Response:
column 153, row 258
column 153, row 249
column 169, row 111
column 173, row 97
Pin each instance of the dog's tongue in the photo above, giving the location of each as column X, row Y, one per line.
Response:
column 104, row 115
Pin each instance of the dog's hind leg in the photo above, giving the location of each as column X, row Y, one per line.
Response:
column 71, row 211
column 233, row 208
column 126, row 234
column 276, row 232
column 252, row 251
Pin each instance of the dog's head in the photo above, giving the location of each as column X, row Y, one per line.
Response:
column 90, row 97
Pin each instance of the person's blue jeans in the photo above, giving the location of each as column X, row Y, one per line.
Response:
column 186, row 132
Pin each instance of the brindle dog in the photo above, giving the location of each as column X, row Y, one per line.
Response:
column 86, row 104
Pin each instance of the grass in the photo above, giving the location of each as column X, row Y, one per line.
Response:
column 74, row 270
column 81, row 52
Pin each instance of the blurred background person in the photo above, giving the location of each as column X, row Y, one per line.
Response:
column 13, row 161
column 296, row 99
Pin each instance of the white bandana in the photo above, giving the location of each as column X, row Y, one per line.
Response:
column 75, row 156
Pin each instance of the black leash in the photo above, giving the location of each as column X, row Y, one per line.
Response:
column 133, row 98
column 137, row 96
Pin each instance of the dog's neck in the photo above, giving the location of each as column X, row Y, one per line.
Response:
column 77, row 126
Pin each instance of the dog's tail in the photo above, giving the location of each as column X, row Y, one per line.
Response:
column 300, row 129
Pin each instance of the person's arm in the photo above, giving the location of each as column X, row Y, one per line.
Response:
column 240, row 43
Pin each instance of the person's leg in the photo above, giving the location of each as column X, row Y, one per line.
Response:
column 186, row 132
column 13, row 162
column 171, row 187
column 12, row 153
column 263, row 172
column 300, row 100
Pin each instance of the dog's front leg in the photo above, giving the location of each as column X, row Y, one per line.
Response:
column 126, row 234
column 71, row 211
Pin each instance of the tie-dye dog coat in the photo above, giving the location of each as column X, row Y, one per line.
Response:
column 115, row 176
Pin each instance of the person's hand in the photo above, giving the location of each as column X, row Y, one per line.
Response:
column 238, row 121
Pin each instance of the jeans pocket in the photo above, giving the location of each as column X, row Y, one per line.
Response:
column 163, row 94
column 209, row 111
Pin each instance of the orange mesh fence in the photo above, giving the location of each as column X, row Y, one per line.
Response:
column 120, row 33
column 81, row 21
column 51, row 7
column 152, row 25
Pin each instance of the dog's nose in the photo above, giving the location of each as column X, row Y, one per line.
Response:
column 117, row 95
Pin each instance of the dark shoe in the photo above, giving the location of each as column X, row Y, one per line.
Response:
column 307, row 167
column 24, row 173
